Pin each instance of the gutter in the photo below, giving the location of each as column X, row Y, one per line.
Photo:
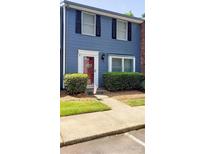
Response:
column 64, row 41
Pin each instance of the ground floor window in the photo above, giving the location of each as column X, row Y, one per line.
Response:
column 121, row 64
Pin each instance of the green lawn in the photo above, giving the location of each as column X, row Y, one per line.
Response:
column 136, row 102
column 78, row 107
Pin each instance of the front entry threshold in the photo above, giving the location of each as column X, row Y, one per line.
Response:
column 91, row 89
column 90, row 86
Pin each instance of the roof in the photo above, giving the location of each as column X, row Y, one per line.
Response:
column 99, row 11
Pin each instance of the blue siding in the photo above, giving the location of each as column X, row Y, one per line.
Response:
column 104, row 44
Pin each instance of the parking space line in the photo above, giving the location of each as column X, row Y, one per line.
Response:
column 135, row 139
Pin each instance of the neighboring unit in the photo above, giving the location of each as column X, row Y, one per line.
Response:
column 142, row 47
column 95, row 41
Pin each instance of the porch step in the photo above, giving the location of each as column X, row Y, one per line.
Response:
column 99, row 91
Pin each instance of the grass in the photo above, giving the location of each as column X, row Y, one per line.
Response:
column 78, row 107
column 136, row 102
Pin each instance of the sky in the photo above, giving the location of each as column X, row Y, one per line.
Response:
column 120, row 6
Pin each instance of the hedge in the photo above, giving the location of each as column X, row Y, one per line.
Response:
column 142, row 85
column 75, row 83
column 116, row 81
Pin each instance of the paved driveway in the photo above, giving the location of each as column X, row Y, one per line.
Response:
column 127, row 143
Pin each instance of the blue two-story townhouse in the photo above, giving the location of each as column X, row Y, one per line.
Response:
column 95, row 41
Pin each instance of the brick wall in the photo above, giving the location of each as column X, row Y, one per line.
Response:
column 142, row 47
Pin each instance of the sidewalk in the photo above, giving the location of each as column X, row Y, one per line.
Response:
column 84, row 127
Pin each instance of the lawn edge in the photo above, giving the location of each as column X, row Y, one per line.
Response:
column 115, row 132
column 130, row 104
column 87, row 112
column 135, row 105
column 108, row 108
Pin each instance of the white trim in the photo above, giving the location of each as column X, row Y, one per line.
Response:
column 64, row 42
column 117, row 37
column 110, row 64
column 62, row 3
column 105, row 14
column 88, row 52
column 82, row 13
column 120, row 57
column 95, row 54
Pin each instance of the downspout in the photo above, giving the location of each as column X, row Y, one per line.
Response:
column 64, row 41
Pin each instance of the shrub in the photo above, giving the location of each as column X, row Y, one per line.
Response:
column 116, row 81
column 75, row 83
column 142, row 85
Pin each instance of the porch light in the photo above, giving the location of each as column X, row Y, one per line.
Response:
column 103, row 56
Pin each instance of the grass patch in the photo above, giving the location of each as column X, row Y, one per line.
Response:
column 78, row 107
column 136, row 102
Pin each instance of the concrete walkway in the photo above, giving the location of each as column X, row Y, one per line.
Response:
column 84, row 127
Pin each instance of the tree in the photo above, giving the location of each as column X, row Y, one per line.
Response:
column 129, row 14
column 143, row 15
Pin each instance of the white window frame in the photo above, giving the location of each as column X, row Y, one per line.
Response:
column 84, row 33
column 126, row 23
column 123, row 58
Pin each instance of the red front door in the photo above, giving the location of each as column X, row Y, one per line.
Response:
column 88, row 68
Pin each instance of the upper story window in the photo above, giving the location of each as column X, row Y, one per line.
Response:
column 121, row 30
column 88, row 23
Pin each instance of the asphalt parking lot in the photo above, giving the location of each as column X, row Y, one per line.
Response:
column 128, row 143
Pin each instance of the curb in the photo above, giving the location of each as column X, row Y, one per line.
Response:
column 115, row 132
